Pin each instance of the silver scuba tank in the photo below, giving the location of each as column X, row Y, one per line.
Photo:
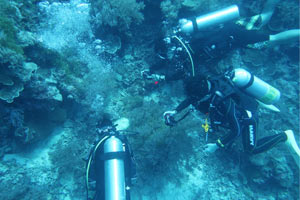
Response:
column 255, row 87
column 114, row 171
column 210, row 19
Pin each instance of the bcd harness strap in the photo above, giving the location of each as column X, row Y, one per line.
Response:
column 195, row 26
column 249, row 83
column 113, row 155
column 217, row 97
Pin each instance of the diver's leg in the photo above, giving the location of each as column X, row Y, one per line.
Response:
column 268, row 142
column 249, row 133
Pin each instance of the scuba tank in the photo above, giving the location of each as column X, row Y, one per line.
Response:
column 110, row 167
column 255, row 87
column 114, row 170
column 210, row 19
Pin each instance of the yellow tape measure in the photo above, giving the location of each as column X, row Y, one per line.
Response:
column 205, row 126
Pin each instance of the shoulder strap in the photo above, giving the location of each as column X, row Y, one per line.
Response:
column 222, row 87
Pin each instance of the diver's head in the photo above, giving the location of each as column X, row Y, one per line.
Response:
column 197, row 86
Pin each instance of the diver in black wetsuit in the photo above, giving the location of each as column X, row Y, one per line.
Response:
column 230, row 108
column 204, row 41
column 174, row 59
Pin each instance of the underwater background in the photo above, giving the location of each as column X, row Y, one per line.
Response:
column 67, row 65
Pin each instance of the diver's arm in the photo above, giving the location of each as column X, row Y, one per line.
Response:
column 169, row 115
column 184, row 105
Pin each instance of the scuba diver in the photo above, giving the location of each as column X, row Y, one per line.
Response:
column 231, row 101
column 110, row 166
column 205, row 40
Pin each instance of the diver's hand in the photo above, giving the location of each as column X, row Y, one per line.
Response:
column 158, row 77
column 169, row 117
column 210, row 147
column 146, row 74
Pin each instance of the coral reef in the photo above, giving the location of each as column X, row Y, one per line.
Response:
column 27, row 83
column 119, row 14
column 170, row 9
column 11, row 55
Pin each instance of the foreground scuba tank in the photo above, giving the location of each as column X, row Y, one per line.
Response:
column 210, row 19
column 114, row 170
column 110, row 166
column 255, row 87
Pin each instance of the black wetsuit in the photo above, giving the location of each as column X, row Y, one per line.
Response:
column 215, row 44
column 227, row 107
column 206, row 48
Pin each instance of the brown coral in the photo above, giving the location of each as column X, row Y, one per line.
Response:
column 118, row 13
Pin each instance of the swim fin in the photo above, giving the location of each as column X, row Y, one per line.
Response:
column 268, row 11
column 292, row 145
column 285, row 37
column 270, row 107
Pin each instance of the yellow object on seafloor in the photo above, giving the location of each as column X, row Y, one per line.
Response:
column 205, row 126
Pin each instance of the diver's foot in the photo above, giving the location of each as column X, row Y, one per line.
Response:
column 292, row 144
column 291, row 141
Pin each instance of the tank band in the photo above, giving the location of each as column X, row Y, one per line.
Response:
column 195, row 26
column 249, row 83
column 113, row 155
